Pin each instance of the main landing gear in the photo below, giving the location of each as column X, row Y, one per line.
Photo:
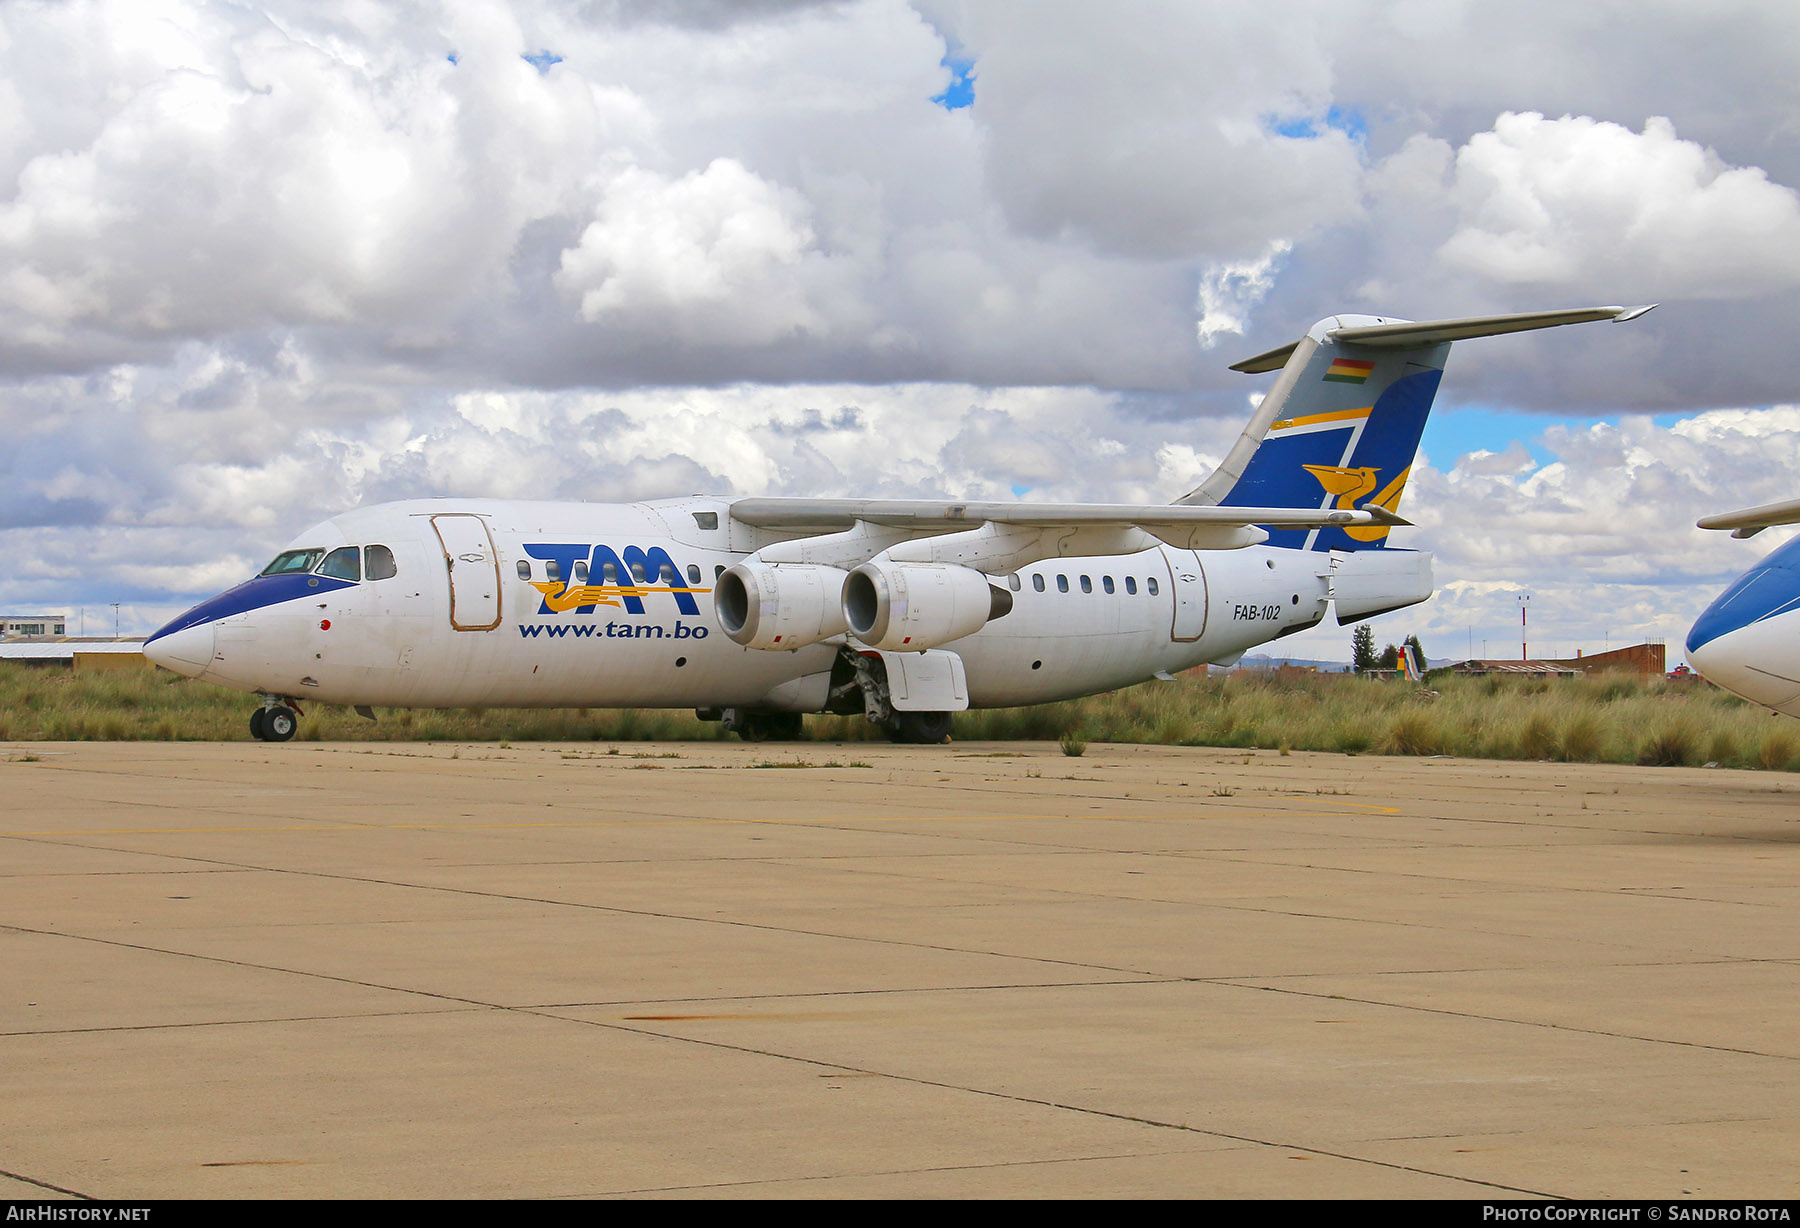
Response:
column 753, row 726
column 860, row 684
column 918, row 728
column 274, row 721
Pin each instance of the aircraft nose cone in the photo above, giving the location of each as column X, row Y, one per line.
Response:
column 186, row 651
column 1748, row 639
column 1755, row 661
column 1769, row 589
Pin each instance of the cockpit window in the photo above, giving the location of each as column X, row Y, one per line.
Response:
column 293, row 563
column 344, row 563
column 378, row 563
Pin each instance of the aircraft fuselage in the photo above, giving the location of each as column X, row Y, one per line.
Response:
column 526, row 604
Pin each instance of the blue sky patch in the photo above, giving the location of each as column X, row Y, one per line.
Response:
column 961, row 92
column 1347, row 120
column 1453, row 434
column 543, row 61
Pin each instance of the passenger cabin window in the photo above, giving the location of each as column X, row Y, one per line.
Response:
column 609, row 574
column 293, row 563
column 524, row 570
column 693, row 573
column 1087, row 585
column 581, row 571
column 667, row 574
column 1037, row 583
column 553, row 571
column 344, row 563
column 1131, row 585
column 1013, row 583
column 1106, row 583
column 637, row 572
column 1062, row 584
column 1151, row 584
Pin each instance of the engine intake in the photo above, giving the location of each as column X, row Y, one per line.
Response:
column 913, row 606
column 768, row 605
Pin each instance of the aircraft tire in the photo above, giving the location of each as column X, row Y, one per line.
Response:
column 280, row 724
column 256, row 725
column 920, row 728
column 771, row 727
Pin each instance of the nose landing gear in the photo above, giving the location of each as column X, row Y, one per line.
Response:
column 274, row 721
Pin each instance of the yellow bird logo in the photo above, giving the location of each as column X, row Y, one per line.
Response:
column 1351, row 484
column 597, row 594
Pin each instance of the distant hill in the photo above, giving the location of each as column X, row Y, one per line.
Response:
column 1262, row 662
column 1328, row 667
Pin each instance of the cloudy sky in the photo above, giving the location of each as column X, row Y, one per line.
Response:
column 264, row 262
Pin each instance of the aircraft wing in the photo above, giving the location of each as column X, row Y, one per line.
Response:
column 1009, row 535
column 830, row 515
column 1753, row 520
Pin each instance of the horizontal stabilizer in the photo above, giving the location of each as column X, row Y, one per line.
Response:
column 1406, row 333
column 1753, row 520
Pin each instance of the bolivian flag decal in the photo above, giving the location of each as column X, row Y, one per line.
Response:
column 1348, row 371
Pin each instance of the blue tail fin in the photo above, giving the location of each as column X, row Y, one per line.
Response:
column 1349, row 427
column 1342, row 423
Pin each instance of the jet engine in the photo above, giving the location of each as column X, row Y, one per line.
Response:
column 769, row 605
column 909, row 607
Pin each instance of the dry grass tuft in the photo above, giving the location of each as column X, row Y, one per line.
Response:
column 1612, row 719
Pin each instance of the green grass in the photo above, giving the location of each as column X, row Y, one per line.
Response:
column 1612, row 719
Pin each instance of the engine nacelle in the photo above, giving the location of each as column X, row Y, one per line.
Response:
column 1370, row 582
column 908, row 607
column 790, row 605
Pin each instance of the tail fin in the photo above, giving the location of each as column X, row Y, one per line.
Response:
column 1410, row 664
column 1342, row 423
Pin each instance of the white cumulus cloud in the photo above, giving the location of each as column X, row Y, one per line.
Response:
column 715, row 254
column 1569, row 201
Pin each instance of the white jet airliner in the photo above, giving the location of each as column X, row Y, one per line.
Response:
column 1748, row 639
column 755, row 611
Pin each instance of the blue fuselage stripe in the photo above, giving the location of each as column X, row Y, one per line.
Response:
column 1771, row 587
column 253, row 594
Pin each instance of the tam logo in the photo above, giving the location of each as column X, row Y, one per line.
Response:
column 583, row 577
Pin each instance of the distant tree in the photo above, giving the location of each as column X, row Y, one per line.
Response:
column 1389, row 659
column 1362, row 648
column 1412, row 642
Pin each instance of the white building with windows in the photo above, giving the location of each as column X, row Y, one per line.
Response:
column 13, row 626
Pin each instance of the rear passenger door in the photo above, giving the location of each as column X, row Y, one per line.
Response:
column 1190, row 594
